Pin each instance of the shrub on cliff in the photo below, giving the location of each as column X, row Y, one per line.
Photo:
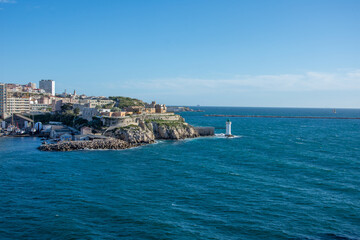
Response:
column 122, row 102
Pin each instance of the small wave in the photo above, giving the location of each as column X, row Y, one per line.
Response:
column 222, row 135
column 234, row 174
column 100, row 149
column 157, row 142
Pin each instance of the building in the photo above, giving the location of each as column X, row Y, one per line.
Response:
column 2, row 100
column 12, row 87
column 19, row 121
column 86, row 130
column 135, row 109
column 31, row 85
column 160, row 108
column 58, row 130
column 66, row 137
column 45, row 100
column 48, row 86
column 38, row 107
column 153, row 107
column 17, row 105
column 58, row 102
column 115, row 114
column 89, row 113
column 94, row 102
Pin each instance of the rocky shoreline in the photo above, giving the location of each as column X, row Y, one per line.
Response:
column 99, row 144
column 133, row 136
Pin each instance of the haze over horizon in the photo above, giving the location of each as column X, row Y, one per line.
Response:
column 208, row 52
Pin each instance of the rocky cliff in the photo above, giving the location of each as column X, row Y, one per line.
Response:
column 180, row 130
column 149, row 131
column 132, row 134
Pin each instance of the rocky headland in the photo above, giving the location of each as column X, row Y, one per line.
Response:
column 145, row 131
column 148, row 132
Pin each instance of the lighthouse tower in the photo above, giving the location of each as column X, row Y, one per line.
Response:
column 228, row 129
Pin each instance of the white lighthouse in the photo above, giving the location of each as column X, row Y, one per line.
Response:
column 228, row 129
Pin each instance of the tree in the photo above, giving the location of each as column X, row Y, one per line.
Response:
column 115, row 109
column 77, row 111
column 66, row 106
column 123, row 102
column 96, row 123
column 108, row 106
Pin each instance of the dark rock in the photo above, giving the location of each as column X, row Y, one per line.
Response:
column 110, row 143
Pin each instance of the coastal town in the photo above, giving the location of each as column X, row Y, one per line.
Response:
column 28, row 110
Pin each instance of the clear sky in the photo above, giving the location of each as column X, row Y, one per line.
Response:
column 291, row 53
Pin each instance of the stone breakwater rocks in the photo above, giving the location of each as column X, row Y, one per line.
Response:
column 81, row 145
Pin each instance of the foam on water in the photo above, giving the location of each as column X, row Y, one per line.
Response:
column 222, row 135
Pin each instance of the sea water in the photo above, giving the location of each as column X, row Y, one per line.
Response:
column 277, row 179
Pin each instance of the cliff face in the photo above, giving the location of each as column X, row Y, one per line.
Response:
column 148, row 131
column 172, row 131
column 132, row 135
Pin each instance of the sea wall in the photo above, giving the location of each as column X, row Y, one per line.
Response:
column 205, row 131
column 136, row 119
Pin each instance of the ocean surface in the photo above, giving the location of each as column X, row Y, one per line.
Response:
column 277, row 179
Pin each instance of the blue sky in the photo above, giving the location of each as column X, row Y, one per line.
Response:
column 293, row 53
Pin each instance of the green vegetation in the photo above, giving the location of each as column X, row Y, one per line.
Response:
column 126, row 127
column 69, row 119
column 96, row 123
column 115, row 109
column 169, row 123
column 129, row 127
column 108, row 106
column 66, row 107
column 123, row 102
column 77, row 111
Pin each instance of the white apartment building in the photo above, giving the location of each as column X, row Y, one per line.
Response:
column 17, row 105
column 48, row 86
column 2, row 100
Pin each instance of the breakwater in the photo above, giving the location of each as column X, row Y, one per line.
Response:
column 265, row 116
column 110, row 143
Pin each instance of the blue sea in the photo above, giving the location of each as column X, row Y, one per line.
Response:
column 276, row 179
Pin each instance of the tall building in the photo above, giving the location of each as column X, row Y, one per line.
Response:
column 48, row 86
column 2, row 100
column 32, row 85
